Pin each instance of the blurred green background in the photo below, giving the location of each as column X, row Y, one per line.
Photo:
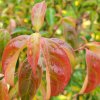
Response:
column 74, row 21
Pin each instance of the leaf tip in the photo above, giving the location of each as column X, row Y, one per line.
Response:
column 37, row 15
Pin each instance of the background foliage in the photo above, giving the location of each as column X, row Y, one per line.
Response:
column 74, row 21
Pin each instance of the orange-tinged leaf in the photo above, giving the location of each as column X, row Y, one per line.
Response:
column 58, row 64
column 37, row 16
column 28, row 82
column 93, row 72
column 47, row 63
column 94, row 46
column 3, row 90
column 70, row 20
column 10, row 56
column 33, row 51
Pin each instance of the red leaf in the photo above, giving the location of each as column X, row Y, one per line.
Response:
column 33, row 50
column 93, row 72
column 58, row 65
column 28, row 83
column 67, row 48
column 10, row 56
column 3, row 90
column 38, row 13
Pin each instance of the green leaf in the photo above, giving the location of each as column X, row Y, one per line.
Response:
column 21, row 31
column 4, row 38
column 89, row 3
column 13, row 91
column 50, row 16
column 37, row 1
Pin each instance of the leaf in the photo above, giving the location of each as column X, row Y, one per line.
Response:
column 1, row 76
column 28, row 83
column 33, row 51
column 3, row 90
column 94, row 46
column 47, row 63
column 58, row 64
column 37, row 16
column 4, row 38
column 88, row 4
column 10, row 56
column 21, row 31
column 13, row 91
column 50, row 16
column 67, row 48
column 11, row 26
column 37, row 1
column 71, row 21
column 93, row 72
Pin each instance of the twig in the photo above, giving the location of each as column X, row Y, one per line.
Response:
column 80, row 48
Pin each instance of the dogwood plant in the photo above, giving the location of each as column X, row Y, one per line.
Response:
column 56, row 56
